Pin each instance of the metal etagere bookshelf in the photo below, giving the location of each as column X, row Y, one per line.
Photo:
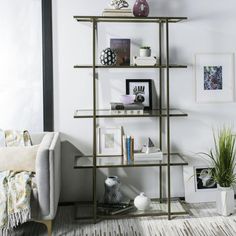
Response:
column 94, row 162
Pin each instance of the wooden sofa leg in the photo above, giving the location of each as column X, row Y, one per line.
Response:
column 48, row 224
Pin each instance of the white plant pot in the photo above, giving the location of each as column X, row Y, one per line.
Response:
column 144, row 52
column 225, row 201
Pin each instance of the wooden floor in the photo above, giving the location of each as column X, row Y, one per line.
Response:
column 202, row 221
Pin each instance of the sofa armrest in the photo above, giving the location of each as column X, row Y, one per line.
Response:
column 55, row 173
column 48, row 175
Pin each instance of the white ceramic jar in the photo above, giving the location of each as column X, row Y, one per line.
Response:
column 142, row 202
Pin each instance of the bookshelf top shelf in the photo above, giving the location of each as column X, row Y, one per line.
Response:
column 130, row 19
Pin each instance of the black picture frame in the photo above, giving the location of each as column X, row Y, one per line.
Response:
column 149, row 81
column 47, row 61
column 204, row 179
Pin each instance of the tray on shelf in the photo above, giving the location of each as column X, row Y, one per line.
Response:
column 106, row 113
column 85, row 210
column 82, row 162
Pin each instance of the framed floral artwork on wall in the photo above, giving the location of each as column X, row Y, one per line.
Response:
column 214, row 74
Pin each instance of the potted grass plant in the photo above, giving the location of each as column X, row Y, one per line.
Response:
column 223, row 161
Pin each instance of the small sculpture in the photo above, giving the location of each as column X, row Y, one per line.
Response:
column 108, row 57
column 112, row 190
column 119, row 4
column 149, row 147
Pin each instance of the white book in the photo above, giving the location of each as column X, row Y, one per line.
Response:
column 128, row 14
column 117, row 10
column 145, row 61
column 126, row 112
column 125, row 156
column 141, row 156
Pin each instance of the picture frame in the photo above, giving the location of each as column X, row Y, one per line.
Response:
column 122, row 49
column 214, row 77
column 109, row 140
column 195, row 192
column 142, row 88
column 203, row 179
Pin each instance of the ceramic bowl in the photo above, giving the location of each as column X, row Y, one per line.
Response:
column 127, row 99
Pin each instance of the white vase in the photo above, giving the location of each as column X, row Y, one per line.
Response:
column 225, row 201
column 144, row 52
column 142, row 202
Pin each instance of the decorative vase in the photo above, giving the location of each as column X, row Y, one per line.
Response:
column 145, row 52
column 142, row 202
column 225, row 201
column 108, row 57
column 141, row 8
column 112, row 190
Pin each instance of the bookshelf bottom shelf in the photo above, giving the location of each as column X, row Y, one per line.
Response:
column 84, row 211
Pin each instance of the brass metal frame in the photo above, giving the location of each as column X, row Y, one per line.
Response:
column 161, row 66
column 95, row 113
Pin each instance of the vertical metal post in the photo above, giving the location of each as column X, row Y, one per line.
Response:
column 94, row 125
column 168, row 119
column 160, row 104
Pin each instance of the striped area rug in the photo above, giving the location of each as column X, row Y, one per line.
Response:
column 203, row 222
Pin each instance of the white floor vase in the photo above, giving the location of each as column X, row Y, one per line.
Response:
column 225, row 201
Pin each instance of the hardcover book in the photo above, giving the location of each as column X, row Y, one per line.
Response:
column 122, row 49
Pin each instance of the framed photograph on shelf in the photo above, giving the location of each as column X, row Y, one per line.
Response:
column 214, row 74
column 122, row 49
column 109, row 141
column 142, row 89
column 199, row 185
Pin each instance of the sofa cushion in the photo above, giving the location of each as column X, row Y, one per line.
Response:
column 18, row 158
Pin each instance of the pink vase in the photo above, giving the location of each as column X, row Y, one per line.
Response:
column 141, row 8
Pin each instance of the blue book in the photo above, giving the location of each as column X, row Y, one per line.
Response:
column 128, row 149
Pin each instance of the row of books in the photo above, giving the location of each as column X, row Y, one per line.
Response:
column 117, row 12
column 128, row 149
column 126, row 109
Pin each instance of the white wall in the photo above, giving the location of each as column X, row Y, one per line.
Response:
column 210, row 28
column 21, row 92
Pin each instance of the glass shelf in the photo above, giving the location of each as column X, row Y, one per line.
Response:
column 106, row 113
column 130, row 19
column 129, row 66
column 82, row 162
column 85, row 210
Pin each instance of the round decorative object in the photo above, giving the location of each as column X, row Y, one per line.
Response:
column 142, row 202
column 141, row 8
column 112, row 190
column 108, row 57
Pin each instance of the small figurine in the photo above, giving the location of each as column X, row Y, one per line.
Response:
column 149, row 147
column 119, row 4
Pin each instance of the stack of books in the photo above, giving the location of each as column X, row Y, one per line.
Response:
column 117, row 12
column 145, row 61
column 128, row 149
column 126, row 109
